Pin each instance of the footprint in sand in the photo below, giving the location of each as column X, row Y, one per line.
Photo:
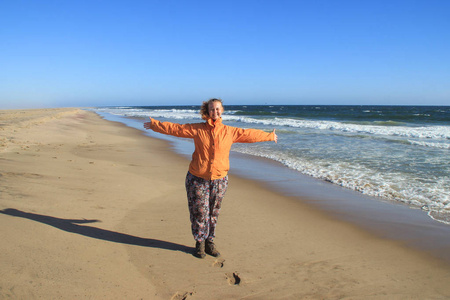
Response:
column 218, row 263
column 181, row 296
column 233, row 278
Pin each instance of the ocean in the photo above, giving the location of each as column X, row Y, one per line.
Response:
column 397, row 154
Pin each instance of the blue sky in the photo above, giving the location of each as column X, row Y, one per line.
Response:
column 94, row 53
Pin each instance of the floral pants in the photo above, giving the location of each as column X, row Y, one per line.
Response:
column 204, row 199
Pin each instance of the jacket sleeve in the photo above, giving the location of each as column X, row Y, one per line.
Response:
column 179, row 130
column 251, row 136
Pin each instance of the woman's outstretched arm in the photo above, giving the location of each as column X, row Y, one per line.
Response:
column 253, row 136
column 175, row 129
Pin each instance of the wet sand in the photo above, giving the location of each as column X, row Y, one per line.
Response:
column 94, row 209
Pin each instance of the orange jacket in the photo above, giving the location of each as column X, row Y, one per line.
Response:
column 213, row 141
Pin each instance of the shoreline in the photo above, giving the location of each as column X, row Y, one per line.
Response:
column 384, row 218
column 92, row 209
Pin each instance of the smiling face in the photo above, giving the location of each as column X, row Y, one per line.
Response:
column 215, row 110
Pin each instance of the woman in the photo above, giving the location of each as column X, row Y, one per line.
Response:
column 207, row 179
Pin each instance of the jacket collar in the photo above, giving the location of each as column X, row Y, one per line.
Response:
column 213, row 123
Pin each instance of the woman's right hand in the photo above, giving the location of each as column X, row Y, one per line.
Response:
column 147, row 125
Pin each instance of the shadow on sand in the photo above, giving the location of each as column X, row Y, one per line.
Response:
column 96, row 233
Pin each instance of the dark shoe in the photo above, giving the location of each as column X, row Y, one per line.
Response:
column 200, row 249
column 211, row 249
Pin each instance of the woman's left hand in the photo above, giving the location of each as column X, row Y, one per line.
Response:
column 275, row 137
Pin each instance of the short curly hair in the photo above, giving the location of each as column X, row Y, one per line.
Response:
column 204, row 110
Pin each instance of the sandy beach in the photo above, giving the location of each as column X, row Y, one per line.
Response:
column 92, row 209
